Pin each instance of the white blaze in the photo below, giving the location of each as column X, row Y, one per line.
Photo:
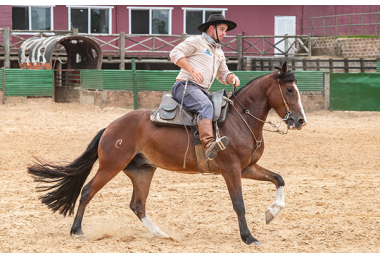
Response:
column 299, row 101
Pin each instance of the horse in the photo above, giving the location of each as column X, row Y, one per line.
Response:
column 136, row 146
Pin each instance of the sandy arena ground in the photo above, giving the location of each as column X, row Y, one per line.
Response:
column 332, row 194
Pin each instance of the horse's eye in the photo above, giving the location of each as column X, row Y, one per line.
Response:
column 290, row 90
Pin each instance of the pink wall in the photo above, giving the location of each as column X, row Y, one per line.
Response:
column 251, row 19
column 6, row 16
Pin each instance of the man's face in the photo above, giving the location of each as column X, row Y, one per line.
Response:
column 222, row 31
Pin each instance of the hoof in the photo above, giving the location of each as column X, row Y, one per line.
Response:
column 251, row 240
column 257, row 243
column 81, row 237
column 160, row 234
column 268, row 216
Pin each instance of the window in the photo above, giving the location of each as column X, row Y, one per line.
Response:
column 193, row 17
column 32, row 17
column 145, row 20
column 90, row 19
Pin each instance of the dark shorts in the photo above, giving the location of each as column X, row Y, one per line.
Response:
column 195, row 99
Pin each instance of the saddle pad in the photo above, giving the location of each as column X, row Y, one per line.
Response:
column 169, row 113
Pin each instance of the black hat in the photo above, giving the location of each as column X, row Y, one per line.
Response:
column 216, row 19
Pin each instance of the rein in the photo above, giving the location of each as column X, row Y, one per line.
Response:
column 246, row 111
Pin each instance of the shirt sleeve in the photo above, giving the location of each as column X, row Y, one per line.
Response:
column 184, row 49
column 223, row 72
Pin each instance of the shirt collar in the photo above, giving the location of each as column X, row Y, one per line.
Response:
column 211, row 40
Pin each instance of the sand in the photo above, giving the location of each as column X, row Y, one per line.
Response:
column 332, row 193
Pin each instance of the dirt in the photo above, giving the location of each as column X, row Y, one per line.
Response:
column 332, row 192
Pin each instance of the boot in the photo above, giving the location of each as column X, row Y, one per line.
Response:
column 206, row 135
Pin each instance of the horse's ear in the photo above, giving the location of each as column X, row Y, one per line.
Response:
column 284, row 68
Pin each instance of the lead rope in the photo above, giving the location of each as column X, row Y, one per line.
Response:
column 258, row 143
column 246, row 111
column 187, row 131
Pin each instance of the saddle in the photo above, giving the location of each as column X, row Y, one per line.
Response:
column 170, row 113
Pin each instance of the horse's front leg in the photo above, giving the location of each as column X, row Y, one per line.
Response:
column 257, row 172
column 233, row 181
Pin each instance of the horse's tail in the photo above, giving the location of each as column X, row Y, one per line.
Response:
column 64, row 183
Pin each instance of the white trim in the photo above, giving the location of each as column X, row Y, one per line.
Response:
column 51, row 19
column 30, row 17
column 204, row 10
column 89, row 7
column 88, row 20
column 129, row 21
column 150, row 9
column 145, row 8
column 150, row 20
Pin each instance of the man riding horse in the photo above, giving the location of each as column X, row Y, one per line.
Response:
column 201, row 60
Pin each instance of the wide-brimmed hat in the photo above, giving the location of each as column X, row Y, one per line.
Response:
column 216, row 19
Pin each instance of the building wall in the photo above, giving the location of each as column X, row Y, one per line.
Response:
column 329, row 10
column 347, row 47
column 6, row 16
column 251, row 19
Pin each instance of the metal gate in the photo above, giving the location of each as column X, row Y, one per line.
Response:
column 355, row 91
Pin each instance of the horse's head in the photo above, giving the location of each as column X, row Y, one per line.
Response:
column 284, row 97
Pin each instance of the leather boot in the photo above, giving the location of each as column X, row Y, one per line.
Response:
column 206, row 135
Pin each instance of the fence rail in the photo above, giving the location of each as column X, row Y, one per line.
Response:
column 120, row 48
column 329, row 65
column 343, row 24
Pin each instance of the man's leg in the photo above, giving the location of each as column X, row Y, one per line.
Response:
column 197, row 100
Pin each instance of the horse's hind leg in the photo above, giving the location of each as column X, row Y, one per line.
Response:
column 141, row 179
column 257, row 172
column 101, row 178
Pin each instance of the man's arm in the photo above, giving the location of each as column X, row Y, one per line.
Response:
column 195, row 74
column 233, row 79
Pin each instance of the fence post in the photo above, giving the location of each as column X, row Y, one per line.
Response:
column 326, row 89
column 345, row 61
column 309, row 45
column 349, row 24
column 122, row 51
column 183, row 36
column 134, row 80
column 3, row 98
column 239, row 51
column 286, row 45
column 7, row 41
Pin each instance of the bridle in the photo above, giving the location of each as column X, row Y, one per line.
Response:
column 246, row 111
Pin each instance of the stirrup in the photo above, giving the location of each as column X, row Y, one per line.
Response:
column 219, row 145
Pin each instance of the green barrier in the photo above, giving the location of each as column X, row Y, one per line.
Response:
column 355, row 91
column 158, row 80
column 19, row 82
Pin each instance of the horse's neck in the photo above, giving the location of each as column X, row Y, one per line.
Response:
column 253, row 98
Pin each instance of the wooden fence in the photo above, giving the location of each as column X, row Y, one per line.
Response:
column 328, row 65
column 343, row 24
column 121, row 48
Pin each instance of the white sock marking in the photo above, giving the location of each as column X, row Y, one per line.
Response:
column 279, row 202
column 153, row 229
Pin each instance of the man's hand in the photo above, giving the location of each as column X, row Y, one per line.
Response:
column 197, row 76
column 233, row 79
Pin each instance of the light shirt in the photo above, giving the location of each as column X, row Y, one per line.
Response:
column 203, row 56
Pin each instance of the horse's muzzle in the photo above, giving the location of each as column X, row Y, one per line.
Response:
column 295, row 122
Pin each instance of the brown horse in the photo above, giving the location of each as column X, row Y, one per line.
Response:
column 133, row 144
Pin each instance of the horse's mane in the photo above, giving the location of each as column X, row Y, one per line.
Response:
column 288, row 76
column 249, row 83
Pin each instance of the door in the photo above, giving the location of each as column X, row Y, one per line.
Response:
column 284, row 25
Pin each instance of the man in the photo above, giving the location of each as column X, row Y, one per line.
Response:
column 201, row 60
